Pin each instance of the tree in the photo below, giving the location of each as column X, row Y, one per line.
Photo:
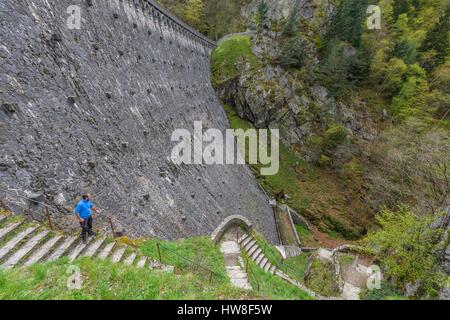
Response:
column 400, row 7
column 410, row 164
column 406, row 246
column 290, row 27
column 260, row 17
column 393, row 74
column 347, row 23
column 405, row 50
column 436, row 46
column 194, row 12
column 292, row 53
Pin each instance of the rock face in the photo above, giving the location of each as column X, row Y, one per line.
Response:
column 93, row 109
column 279, row 9
column 271, row 96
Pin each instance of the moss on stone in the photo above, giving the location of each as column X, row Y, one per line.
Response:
column 224, row 58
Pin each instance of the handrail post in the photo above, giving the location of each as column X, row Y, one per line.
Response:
column 210, row 277
column 112, row 228
column 159, row 252
column 47, row 213
column 246, row 266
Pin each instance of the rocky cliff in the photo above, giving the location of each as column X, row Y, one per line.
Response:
column 93, row 109
column 270, row 95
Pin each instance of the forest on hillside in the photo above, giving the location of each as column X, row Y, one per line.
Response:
column 211, row 17
column 396, row 77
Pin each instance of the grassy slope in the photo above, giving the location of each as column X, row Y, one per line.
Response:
column 105, row 280
column 227, row 54
column 313, row 192
column 330, row 201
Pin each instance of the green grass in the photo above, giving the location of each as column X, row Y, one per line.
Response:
column 273, row 287
column 269, row 251
column 386, row 292
column 346, row 260
column 186, row 256
column 227, row 54
column 321, row 278
column 108, row 281
column 296, row 266
column 101, row 279
column 311, row 192
column 305, row 235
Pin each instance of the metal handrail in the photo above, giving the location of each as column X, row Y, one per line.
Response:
column 180, row 23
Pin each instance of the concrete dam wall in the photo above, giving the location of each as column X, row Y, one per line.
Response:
column 93, row 110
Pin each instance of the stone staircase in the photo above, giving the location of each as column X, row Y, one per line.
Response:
column 289, row 251
column 234, row 265
column 23, row 243
column 250, row 245
column 254, row 251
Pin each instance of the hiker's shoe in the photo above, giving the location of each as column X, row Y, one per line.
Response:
column 93, row 234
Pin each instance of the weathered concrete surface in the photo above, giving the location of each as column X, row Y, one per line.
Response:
column 94, row 109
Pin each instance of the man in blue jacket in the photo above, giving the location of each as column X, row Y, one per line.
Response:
column 83, row 211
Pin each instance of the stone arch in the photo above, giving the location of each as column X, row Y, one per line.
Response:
column 230, row 221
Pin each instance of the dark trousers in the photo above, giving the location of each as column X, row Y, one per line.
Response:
column 86, row 227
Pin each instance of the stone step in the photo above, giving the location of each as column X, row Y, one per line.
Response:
column 246, row 241
column 292, row 251
column 62, row 248
column 157, row 266
column 238, row 277
column 106, row 251
column 249, row 245
column 117, row 255
column 350, row 292
column 253, row 249
column 24, row 250
column 267, row 267
column 42, row 251
column 9, row 228
column 130, row 259
column 77, row 250
column 256, row 254
column 263, row 262
column 259, row 258
column 8, row 247
column 272, row 269
column 93, row 247
column 141, row 262
column 242, row 238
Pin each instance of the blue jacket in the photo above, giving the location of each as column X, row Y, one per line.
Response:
column 83, row 208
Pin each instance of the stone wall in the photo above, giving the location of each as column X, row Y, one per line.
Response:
column 94, row 109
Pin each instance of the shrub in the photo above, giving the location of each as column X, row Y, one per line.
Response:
column 405, row 245
column 335, row 136
column 324, row 160
column 292, row 53
column 386, row 292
